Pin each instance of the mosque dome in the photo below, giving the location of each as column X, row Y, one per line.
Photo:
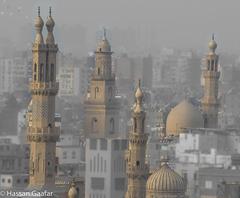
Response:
column 184, row 115
column 165, row 181
column 72, row 193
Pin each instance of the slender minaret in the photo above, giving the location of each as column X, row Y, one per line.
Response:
column 211, row 76
column 101, row 108
column 42, row 134
column 137, row 169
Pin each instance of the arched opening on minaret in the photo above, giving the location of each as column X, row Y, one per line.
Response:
column 47, row 75
column 112, row 127
column 96, row 92
column 134, row 125
column 110, row 93
column 52, row 72
column 98, row 71
column 41, row 73
column 35, row 72
column 94, row 125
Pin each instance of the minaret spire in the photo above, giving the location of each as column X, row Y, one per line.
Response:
column 137, row 169
column 39, row 11
column 211, row 76
column 38, row 27
column 50, row 25
column 42, row 133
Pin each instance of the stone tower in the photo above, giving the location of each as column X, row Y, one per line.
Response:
column 42, row 134
column 101, row 108
column 137, row 169
column 211, row 76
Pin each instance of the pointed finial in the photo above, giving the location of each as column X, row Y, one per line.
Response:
column 50, row 11
column 213, row 36
column 39, row 11
column 104, row 34
column 139, row 83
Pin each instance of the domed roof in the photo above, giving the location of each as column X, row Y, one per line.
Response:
column 50, row 22
column 104, row 46
column 165, row 180
column 212, row 45
column 72, row 193
column 184, row 115
column 38, row 21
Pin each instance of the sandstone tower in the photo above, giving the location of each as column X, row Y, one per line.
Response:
column 137, row 169
column 211, row 76
column 42, row 134
column 101, row 108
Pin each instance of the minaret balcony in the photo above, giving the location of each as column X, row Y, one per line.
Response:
column 46, row 134
column 41, row 87
column 133, row 170
column 211, row 74
column 101, row 77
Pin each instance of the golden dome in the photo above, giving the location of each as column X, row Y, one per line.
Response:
column 212, row 45
column 167, row 181
column 72, row 193
column 184, row 115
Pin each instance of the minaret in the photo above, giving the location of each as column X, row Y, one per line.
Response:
column 211, row 76
column 137, row 169
column 42, row 134
column 101, row 108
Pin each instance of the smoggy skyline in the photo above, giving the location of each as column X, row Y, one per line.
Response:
column 177, row 24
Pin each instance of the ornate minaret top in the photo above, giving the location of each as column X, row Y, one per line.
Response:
column 103, row 60
column 39, row 26
column 50, row 25
column 137, row 169
column 211, row 76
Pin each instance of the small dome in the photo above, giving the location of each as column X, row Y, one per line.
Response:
column 184, row 115
column 39, row 22
column 104, row 46
column 50, row 22
column 212, row 45
column 72, row 193
column 165, row 180
column 139, row 93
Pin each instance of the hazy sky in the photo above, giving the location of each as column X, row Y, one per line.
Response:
column 179, row 23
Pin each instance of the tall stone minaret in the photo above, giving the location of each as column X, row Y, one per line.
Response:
column 42, row 134
column 101, row 108
column 211, row 76
column 137, row 169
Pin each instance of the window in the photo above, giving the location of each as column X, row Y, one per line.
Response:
column 103, row 144
column 116, row 145
column 64, row 155
column 110, row 93
column 94, row 125
column 74, row 155
column 137, row 163
column 93, row 144
column 3, row 180
column 97, row 183
column 98, row 71
column 9, row 181
column 112, row 126
column 119, row 183
column 208, row 184
column 96, row 92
